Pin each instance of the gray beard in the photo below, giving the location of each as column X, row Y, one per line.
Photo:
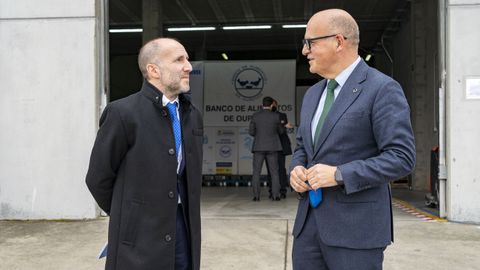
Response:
column 176, row 89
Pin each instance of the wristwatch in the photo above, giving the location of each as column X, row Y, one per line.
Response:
column 338, row 177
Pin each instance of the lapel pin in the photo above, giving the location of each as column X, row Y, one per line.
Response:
column 355, row 90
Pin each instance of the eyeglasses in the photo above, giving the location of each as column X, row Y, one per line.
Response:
column 309, row 41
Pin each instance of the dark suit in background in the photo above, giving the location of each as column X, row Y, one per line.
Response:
column 134, row 174
column 365, row 142
column 265, row 128
column 286, row 151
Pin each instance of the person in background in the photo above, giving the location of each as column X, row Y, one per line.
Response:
column 355, row 137
column 265, row 128
column 282, row 154
column 145, row 169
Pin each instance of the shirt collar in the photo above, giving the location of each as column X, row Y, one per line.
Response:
column 343, row 76
column 165, row 100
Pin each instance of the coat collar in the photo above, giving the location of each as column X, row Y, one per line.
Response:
column 152, row 93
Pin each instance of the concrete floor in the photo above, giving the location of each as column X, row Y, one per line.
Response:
column 237, row 234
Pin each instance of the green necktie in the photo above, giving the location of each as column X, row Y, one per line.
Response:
column 332, row 84
column 315, row 196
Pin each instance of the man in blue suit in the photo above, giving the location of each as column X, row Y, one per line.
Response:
column 355, row 136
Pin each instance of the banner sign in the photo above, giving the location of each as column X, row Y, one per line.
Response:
column 220, row 149
column 234, row 90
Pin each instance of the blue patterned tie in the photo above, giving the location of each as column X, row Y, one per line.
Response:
column 316, row 195
column 177, row 131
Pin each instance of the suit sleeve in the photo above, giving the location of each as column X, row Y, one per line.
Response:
column 252, row 128
column 281, row 126
column 391, row 127
column 284, row 118
column 109, row 149
column 299, row 157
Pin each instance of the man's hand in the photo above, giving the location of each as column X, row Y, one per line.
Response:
column 321, row 175
column 298, row 176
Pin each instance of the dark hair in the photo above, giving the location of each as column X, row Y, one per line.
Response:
column 267, row 101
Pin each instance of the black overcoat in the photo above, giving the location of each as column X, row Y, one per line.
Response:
column 284, row 139
column 132, row 176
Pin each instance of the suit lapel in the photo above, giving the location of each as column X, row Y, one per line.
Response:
column 348, row 94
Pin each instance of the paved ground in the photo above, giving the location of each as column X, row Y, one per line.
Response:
column 237, row 234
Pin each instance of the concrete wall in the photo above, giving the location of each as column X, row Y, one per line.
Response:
column 424, row 69
column 417, row 71
column 463, row 115
column 413, row 49
column 48, row 107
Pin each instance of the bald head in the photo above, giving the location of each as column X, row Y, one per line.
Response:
column 338, row 21
column 331, row 42
column 164, row 64
column 153, row 52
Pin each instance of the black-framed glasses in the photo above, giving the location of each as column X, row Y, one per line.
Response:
column 309, row 41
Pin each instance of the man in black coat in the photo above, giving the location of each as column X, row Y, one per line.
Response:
column 145, row 167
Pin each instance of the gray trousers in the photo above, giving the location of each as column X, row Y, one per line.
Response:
column 311, row 253
column 272, row 161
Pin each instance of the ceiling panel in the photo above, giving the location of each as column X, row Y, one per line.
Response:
column 373, row 17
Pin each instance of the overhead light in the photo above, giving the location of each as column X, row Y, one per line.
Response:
column 246, row 27
column 294, row 26
column 126, row 30
column 367, row 58
column 225, row 56
column 178, row 29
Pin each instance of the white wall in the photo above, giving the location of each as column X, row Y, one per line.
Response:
column 463, row 116
column 48, row 107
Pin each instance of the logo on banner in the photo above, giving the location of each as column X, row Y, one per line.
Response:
column 249, row 82
column 225, row 151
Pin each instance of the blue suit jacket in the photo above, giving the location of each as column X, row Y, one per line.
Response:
column 368, row 135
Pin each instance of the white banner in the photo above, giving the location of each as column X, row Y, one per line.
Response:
column 196, row 84
column 226, row 151
column 235, row 89
column 209, row 138
column 220, row 149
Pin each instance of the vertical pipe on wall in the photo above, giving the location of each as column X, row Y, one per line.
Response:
column 99, row 53
column 442, row 167
column 102, row 74
column 102, row 52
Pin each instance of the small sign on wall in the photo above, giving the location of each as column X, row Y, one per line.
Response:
column 472, row 88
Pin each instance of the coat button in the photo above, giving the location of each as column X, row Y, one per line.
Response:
column 171, row 151
column 168, row 238
column 171, row 194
